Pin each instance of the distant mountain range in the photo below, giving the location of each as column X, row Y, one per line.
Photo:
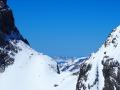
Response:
column 70, row 64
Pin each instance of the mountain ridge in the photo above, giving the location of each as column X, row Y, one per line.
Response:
column 101, row 71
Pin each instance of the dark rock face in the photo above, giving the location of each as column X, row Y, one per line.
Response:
column 112, row 77
column 84, row 68
column 8, row 33
column 8, row 29
column 5, row 1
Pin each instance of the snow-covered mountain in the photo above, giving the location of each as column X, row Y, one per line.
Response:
column 69, row 64
column 21, row 67
column 102, row 70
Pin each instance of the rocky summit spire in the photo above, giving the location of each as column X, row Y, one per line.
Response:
column 7, row 25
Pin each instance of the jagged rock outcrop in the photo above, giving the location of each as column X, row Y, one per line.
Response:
column 9, row 35
column 102, row 70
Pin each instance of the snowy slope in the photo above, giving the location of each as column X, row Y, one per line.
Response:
column 34, row 71
column 28, row 71
column 101, row 71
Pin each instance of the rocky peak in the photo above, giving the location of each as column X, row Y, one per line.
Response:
column 9, row 36
column 113, row 38
column 8, row 30
column 102, row 70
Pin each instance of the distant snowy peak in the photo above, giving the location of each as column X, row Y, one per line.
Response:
column 102, row 70
column 69, row 64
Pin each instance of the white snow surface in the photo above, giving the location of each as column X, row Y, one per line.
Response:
column 35, row 71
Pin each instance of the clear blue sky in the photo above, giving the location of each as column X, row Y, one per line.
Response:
column 66, row 27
